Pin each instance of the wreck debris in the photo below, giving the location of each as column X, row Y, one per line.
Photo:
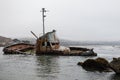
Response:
column 82, row 51
column 19, row 48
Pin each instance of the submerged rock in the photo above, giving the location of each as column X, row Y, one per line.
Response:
column 99, row 64
column 115, row 65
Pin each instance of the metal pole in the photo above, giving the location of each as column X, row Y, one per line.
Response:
column 43, row 19
column 34, row 34
column 43, row 16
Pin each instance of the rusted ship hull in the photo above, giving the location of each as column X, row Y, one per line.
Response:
column 23, row 48
column 72, row 53
column 19, row 48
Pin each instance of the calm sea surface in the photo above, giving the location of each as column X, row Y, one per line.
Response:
column 31, row 67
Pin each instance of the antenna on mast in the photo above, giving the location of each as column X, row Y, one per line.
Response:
column 43, row 16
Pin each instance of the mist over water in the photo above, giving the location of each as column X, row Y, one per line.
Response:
column 31, row 67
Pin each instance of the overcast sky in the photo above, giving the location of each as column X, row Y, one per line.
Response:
column 73, row 19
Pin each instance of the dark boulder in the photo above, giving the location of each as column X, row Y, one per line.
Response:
column 115, row 65
column 99, row 64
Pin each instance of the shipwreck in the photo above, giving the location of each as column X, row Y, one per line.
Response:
column 48, row 44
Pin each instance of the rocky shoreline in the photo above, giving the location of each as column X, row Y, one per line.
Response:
column 101, row 64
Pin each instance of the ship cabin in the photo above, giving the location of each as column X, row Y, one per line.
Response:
column 47, row 43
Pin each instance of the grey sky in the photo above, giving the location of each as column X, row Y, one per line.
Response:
column 73, row 19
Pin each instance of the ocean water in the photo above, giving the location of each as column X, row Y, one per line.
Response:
column 31, row 67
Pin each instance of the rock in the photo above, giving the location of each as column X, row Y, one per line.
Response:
column 103, row 62
column 115, row 65
column 80, row 63
column 99, row 64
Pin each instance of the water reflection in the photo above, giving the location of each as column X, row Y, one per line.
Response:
column 47, row 66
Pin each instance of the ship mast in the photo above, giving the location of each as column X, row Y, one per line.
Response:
column 43, row 19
